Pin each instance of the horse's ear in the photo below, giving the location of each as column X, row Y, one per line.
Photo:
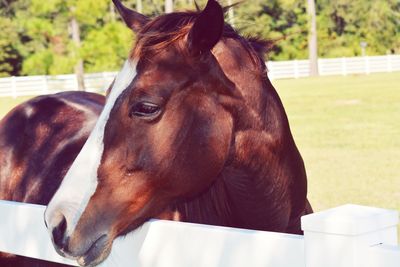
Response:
column 132, row 19
column 207, row 29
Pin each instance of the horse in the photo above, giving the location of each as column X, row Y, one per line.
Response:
column 39, row 140
column 192, row 130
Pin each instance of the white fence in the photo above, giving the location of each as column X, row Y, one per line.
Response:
column 334, row 66
column 39, row 85
column 347, row 236
column 99, row 82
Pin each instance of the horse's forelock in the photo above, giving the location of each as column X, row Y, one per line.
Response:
column 162, row 31
column 165, row 30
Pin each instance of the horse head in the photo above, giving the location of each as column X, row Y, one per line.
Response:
column 163, row 135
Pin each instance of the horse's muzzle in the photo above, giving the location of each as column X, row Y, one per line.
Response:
column 85, row 253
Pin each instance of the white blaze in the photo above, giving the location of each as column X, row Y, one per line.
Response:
column 80, row 182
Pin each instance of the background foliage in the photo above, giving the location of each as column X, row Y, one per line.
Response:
column 35, row 36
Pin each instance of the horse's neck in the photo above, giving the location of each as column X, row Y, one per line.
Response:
column 238, row 198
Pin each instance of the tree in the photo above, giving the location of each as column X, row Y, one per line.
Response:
column 9, row 57
column 231, row 13
column 76, row 38
column 36, row 38
column 139, row 6
column 345, row 24
column 169, row 6
column 282, row 21
column 312, row 38
column 51, row 38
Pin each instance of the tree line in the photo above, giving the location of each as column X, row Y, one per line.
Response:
column 58, row 36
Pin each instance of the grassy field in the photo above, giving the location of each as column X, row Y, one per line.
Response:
column 348, row 131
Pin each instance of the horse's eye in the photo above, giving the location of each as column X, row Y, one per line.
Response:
column 144, row 109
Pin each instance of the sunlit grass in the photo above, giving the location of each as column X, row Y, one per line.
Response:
column 348, row 131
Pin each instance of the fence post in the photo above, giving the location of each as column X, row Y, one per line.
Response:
column 366, row 62
column 14, row 86
column 270, row 70
column 45, row 85
column 344, row 66
column 321, row 66
column 296, row 68
column 389, row 63
column 344, row 236
column 77, row 82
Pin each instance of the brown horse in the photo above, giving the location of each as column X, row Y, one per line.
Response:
column 39, row 140
column 192, row 130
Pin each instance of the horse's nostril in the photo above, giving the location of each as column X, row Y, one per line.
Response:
column 58, row 233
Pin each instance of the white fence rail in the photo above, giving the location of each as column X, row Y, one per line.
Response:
column 334, row 66
column 39, row 85
column 99, row 82
column 347, row 236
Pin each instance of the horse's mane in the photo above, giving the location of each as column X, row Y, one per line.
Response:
column 166, row 29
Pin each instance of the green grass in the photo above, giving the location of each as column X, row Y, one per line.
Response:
column 348, row 131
